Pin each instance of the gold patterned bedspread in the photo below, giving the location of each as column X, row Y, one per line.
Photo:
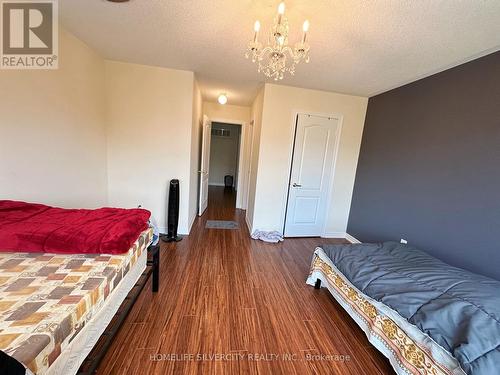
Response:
column 407, row 355
column 46, row 299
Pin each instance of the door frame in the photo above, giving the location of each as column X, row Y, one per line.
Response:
column 293, row 132
column 205, row 121
column 240, row 197
column 249, row 143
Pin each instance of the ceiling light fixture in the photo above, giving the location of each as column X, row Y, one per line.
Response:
column 222, row 99
column 277, row 58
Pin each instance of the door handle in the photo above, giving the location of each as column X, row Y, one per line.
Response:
column 296, row 185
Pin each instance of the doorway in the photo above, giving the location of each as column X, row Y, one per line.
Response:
column 311, row 175
column 222, row 173
column 224, row 156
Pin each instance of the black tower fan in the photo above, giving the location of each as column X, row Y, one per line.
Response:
column 173, row 213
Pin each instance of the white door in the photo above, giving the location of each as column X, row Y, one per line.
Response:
column 312, row 169
column 205, row 164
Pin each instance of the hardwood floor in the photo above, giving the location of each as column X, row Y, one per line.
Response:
column 222, row 293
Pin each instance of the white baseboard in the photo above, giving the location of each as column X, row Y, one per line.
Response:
column 248, row 224
column 216, row 184
column 345, row 235
column 334, row 235
column 164, row 230
column 191, row 222
column 351, row 239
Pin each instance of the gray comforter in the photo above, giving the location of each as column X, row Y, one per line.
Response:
column 458, row 309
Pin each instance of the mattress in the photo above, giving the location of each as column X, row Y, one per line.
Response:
column 47, row 300
column 409, row 350
column 73, row 355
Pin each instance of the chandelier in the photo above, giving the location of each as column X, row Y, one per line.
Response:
column 277, row 57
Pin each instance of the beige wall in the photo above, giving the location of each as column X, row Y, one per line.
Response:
column 52, row 130
column 280, row 106
column 254, row 146
column 150, row 121
column 99, row 133
column 96, row 133
column 196, row 131
column 240, row 115
column 227, row 112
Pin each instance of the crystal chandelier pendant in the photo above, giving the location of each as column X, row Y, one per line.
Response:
column 277, row 57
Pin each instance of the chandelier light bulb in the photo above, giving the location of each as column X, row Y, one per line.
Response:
column 222, row 99
column 281, row 8
column 256, row 26
column 305, row 27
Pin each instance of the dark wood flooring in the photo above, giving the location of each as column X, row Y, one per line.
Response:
column 223, row 294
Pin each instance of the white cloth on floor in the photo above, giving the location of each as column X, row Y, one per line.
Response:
column 272, row 237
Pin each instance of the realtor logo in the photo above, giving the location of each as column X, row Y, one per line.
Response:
column 29, row 37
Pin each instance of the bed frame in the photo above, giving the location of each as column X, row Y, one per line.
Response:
column 93, row 360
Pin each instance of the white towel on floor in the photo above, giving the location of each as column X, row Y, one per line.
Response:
column 272, row 237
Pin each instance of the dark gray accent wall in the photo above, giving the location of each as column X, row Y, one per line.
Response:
column 429, row 168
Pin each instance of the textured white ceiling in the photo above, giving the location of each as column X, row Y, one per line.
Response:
column 361, row 47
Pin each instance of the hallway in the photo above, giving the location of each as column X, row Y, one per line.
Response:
column 222, row 205
column 224, row 294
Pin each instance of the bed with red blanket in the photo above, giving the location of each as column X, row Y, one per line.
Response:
column 69, row 269
column 36, row 228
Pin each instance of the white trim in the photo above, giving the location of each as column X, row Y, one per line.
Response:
column 204, row 162
column 191, row 223
column 340, row 119
column 334, row 235
column 164, row 230
column 248, row 224
column 329, row 199
column 216, row 184
column 248, row 166
column 241, row 168
column 227, row 121
column 351, row 239
column 344, row 235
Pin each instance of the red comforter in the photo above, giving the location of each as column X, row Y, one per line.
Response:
column 36, row 228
